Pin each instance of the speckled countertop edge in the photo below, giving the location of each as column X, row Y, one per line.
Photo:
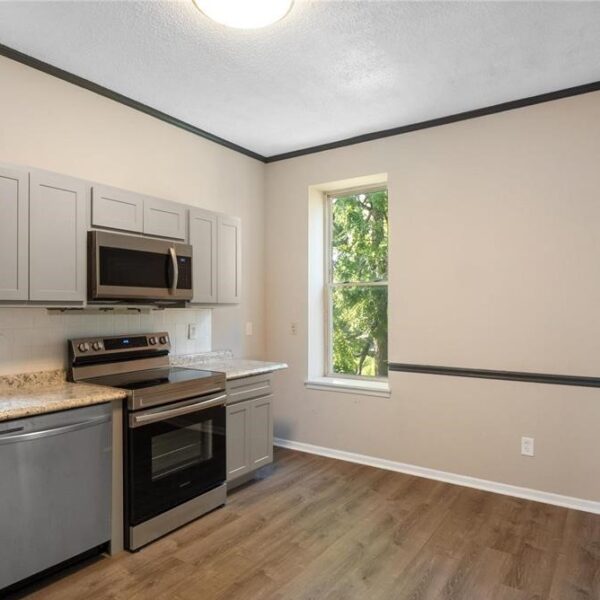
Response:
column 28, row 394
column 224, row 362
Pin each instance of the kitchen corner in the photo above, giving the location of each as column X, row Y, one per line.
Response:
column 39, row 406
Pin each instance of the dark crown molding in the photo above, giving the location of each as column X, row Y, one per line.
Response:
column 40, row 65
column 463, row 116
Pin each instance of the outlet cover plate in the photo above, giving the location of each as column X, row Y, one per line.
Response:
column 527, row 446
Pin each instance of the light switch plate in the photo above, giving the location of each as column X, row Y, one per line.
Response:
column 192, row 331
column 249, row 328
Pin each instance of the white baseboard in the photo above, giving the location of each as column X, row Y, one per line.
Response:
column 464, row 480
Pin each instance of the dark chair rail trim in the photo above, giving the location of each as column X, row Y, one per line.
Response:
column 367, row 137
column 550, row 378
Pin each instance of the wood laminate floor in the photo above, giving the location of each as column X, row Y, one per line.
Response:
column 314, row 527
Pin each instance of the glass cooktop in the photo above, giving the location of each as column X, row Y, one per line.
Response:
column 136, row 380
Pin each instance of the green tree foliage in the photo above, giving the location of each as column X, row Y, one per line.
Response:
column 359, row 254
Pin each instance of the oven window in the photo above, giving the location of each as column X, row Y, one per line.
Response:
column 182, row 448
column 172, row 461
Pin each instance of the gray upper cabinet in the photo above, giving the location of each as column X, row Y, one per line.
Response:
column 113, row 208
column 203, row 238
column 57, row 237
column 164, row 218
column 117, row 209
column 14, row 233
column 229, row 260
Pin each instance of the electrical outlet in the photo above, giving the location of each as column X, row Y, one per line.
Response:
column 191, row 331
column 294, row 328
column 527, row 446
column 249, row 328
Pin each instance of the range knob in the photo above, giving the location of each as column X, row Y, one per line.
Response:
column 152, row 340
column 164, row 339
column 97, row 346
column 83, row 347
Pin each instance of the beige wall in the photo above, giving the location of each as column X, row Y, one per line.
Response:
column 51, row 124
column 493, row 264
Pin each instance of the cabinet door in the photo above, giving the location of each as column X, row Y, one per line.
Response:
column 203, row 238
column 57, row 237
column 164, row 218
column 229, row 260
column 261, row 432
column 238, row 440
column 14, row 232
column 117, row 209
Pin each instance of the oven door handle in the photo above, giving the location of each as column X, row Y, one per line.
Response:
column 154, row 417
column 175, row 279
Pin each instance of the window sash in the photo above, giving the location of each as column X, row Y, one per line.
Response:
column 330, row 285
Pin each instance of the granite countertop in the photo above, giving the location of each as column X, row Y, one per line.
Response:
column 30, row 394
column 224, row 362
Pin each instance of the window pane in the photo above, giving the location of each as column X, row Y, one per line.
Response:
column 359, row 237
column 360, row 331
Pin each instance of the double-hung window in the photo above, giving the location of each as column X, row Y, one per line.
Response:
column 356, row 277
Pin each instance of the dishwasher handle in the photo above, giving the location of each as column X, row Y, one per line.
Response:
column 43, row 433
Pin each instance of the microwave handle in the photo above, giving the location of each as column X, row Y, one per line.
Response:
column 175, row 270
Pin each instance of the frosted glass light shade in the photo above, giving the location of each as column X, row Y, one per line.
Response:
column 245, row 14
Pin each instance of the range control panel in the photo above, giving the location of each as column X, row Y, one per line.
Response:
column 98, row 346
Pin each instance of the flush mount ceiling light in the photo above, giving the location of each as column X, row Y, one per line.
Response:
column 245, row 14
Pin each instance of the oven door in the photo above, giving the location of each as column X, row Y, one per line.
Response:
column 125, row 267
column 174, row 453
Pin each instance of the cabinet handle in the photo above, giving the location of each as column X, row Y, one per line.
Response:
column 250, row 391
column 153, row 417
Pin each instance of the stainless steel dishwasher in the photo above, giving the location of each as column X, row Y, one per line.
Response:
column 55, row 489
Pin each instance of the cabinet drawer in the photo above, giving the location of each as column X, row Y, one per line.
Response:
column 247, row 388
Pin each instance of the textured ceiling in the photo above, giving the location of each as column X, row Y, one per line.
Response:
column 329, row 71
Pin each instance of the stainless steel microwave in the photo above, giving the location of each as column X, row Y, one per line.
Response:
column 129, row 268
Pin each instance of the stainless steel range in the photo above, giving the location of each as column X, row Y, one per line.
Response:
column 174, row 430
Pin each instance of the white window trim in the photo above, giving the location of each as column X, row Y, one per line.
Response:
column 331, row 380
column 361, row 386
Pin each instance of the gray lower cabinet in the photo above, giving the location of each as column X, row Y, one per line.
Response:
column 57, row 237
column 249, row 427
column 14, row 233
column 261, row 432
column 238, row 440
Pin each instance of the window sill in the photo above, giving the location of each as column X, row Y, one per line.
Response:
column 349, row 386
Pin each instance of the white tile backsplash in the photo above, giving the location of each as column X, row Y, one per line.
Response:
column 34, row 339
